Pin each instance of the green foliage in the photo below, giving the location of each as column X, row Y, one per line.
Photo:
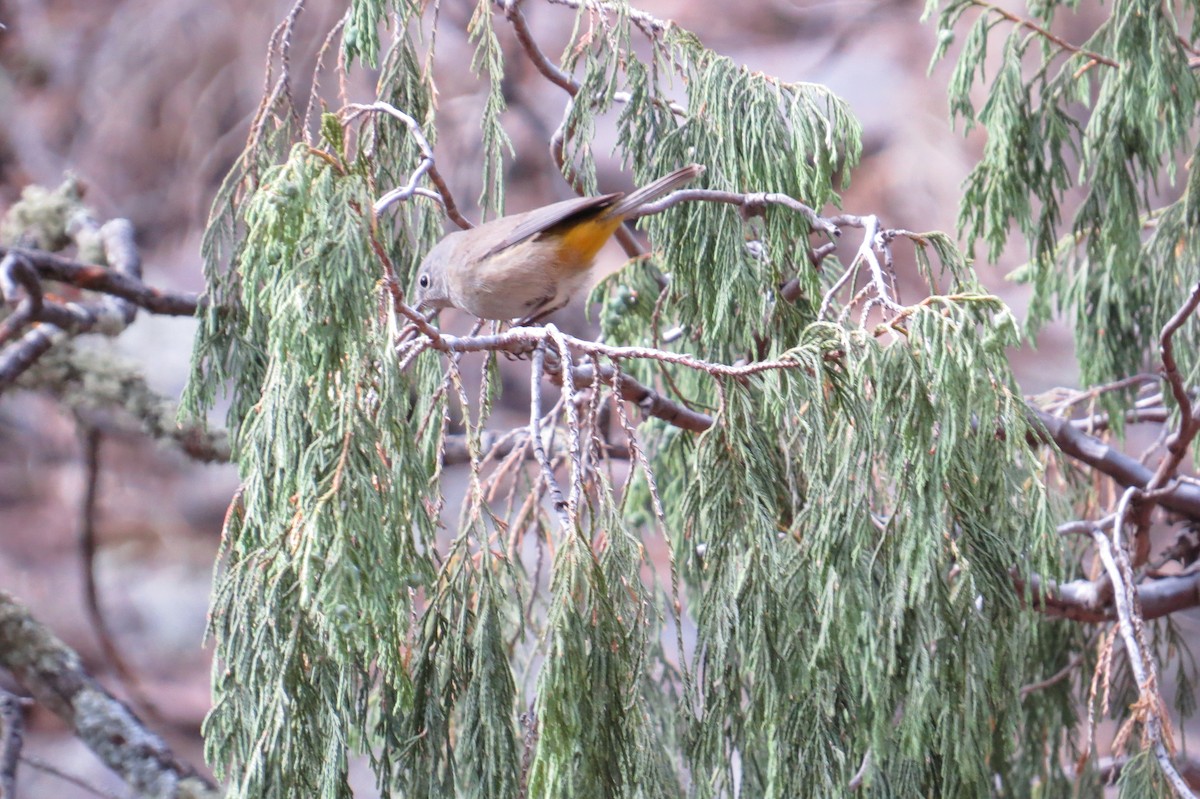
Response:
column 490, row 61
column 593, row 691
column 1140, row 776
column 312, row 595
column 1110, row 118
column 839, row 603
column 853, row 605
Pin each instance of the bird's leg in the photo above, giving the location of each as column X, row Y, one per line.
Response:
column 540, row 312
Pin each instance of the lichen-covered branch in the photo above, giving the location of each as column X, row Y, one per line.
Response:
column 52, row 674
column 12, row 736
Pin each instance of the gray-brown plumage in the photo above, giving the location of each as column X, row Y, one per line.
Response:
column 530, row 264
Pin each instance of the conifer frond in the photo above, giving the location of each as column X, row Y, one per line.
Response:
column 843, row 513
column 1111, row 117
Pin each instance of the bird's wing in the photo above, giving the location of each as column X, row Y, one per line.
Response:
column 542, row 219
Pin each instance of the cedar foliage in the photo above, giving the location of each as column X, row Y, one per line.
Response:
column 838, row 599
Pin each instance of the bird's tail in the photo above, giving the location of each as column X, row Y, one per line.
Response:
column 649, row 193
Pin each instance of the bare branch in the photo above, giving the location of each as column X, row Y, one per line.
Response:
column 1180, row 497
column 650, row 25
column 521, row 340
column 1078, row 600
column 647, row 399
column 23, row 269
column 535, row 433
column 427, row 167
column 573, row 424
column 107, row 281
column 1089, row 600
column 1179, row 442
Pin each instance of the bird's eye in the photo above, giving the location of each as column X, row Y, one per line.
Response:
column 424, row 281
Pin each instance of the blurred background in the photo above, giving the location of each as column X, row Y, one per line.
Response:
column 148, row 102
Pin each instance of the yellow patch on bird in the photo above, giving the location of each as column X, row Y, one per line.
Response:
column 578, row 244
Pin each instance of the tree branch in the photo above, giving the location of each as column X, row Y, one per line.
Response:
column 1045, row 34
column 1149, row 709
column 1182, row 498
column 1179, row 442
column 107, row 281
column 51, row 672
column 427, row 166
column 1089, row 600
column 12, row 737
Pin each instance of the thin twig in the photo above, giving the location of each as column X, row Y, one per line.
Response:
column 514, row 14
column 91, row 592
column 314, row 92
column 42, row 765
column 1039, row 30
column 1179, row 443
column 280, row 44
column 573, row 424
column 427, row 166
column 619, row 384
column 1059, row 675
column 535, row 434
column 873, row 237
column 856, row 782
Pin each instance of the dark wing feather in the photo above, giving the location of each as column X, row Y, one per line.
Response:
column 539, row 220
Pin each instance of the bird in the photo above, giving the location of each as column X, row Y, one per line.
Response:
column 526, row 266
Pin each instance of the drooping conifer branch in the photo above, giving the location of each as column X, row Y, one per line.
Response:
column 864, row 481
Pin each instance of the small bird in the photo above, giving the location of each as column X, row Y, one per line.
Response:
column 529, row 265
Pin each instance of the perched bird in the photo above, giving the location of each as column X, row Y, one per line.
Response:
column 529, row 265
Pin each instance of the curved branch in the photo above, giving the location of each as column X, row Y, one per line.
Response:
column 1029, row 24
column 107, row 281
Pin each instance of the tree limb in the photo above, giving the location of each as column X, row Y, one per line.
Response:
column 12, row 736
column 1182, row 498
column 51, row 672
column 1090, row 600
column 106, row 281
